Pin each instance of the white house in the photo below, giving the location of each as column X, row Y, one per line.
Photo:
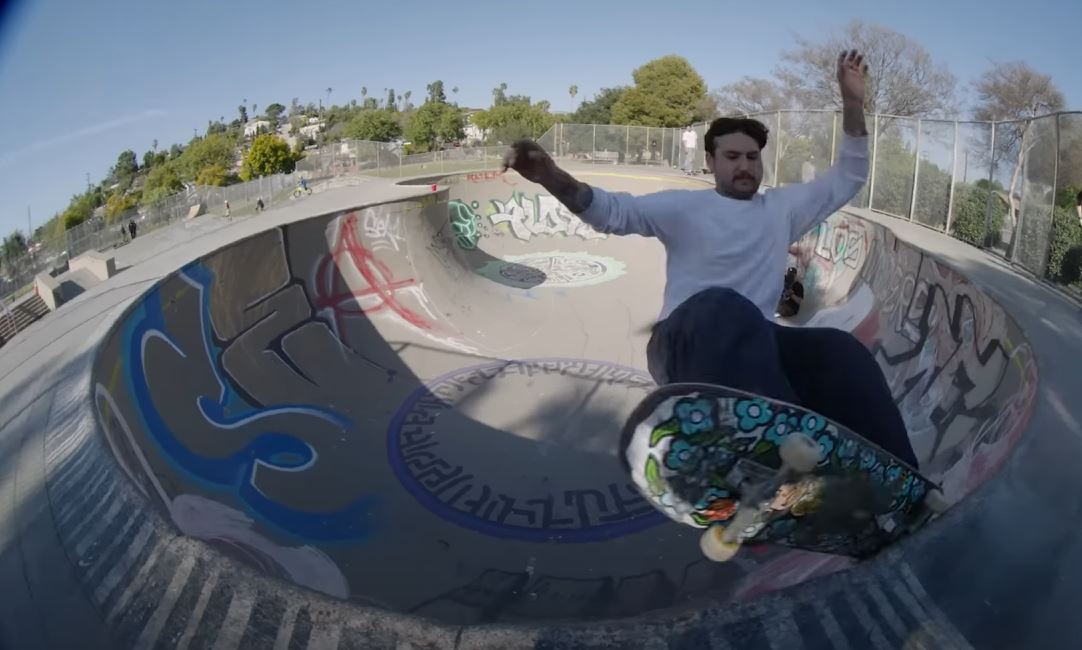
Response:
column 474, row 134
column 253, row 128
column 311, row 129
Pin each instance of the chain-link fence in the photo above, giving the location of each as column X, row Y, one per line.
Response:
column 52, row 251
column 1010, row 187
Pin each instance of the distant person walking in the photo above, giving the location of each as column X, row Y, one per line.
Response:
column 690, row 142
column 132, row 228
column 259, row 205
column 227, row 209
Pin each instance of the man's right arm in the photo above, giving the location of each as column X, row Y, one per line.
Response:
column 617, row 213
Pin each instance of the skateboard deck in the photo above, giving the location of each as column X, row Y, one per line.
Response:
column 704, row 454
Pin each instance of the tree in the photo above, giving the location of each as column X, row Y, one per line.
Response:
column 155, row 145
column 435, row 92
column 390, row 100
column 1014, row 91
column 406, row 95
column 573, row 90
column 269, row 155
column 243, row 111
column 148, row 160
column 667, row 92
column 902, row 77
column 117, row 204
column 513, row 120
column 370, row 104
column 435, row 123
column 215, row 174
column 274, row 113
column 599, row 109
column 126, row 165
column 752, row 95
column 217, row 149
column 161, row 182
column 175, row 151
column 14, row 246
column 379, row 126
column 499, row 94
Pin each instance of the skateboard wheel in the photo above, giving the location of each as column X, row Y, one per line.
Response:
column 936, row 501
column 800, row 452
column 714, row 547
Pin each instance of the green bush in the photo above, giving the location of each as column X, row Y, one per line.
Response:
column 969, row 222
column 1065, row 247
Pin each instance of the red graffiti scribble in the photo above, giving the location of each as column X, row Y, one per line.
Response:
column 377, row 275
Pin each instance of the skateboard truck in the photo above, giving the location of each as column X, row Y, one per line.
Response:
column 799, row 456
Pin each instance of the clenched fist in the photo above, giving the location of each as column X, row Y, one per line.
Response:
column 531, row 161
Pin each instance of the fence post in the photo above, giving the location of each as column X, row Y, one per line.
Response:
column 627, row 144
column 1052, row 215
column 777, row 150
column 593, row 151
column 991, row 176
column 871, row 172
column 916, row 177
column 954, row 180
column 833, row 136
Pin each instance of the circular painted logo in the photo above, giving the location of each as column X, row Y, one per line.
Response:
column 524, row 449
column 553, row 269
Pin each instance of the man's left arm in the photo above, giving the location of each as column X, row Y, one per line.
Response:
column 808, row 204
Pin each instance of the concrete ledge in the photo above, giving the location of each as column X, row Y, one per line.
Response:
column 99, row 264
column 48, row 288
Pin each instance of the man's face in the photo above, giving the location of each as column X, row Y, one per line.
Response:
column 736, row 165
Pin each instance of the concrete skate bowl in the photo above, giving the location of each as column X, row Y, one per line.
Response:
column 413, row 407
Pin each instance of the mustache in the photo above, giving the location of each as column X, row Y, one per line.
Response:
column 743, row 176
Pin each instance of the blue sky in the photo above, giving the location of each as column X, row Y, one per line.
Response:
column 82, row 81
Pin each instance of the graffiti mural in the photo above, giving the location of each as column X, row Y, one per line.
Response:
column 539, row 216
column 378, row 287
column 223, row 440
column 441, row 472
column 961, row 371
column 553, row 269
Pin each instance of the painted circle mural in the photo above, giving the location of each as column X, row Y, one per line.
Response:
column 524, row 449
column 553, row 269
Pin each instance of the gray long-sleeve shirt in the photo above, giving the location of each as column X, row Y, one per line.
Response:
column 714, row 241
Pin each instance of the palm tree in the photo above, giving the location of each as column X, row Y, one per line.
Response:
column 407, row 96
column 329, row 89
column 364, row 93
column 573, row 90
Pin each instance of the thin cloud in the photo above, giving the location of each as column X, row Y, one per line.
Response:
column 87, row 131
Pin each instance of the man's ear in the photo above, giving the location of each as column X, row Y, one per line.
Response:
column 710, row 161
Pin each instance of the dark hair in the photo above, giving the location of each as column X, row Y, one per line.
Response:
column 754, row 129
column 1079, row 198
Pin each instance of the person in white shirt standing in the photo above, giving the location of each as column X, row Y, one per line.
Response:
column 726, row 256
column 690, row 142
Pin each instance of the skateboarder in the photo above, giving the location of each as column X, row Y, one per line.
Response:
column 726, row 254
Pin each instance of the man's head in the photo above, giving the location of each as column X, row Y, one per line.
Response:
column 733, row 148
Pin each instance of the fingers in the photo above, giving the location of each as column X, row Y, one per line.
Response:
column 853, row 60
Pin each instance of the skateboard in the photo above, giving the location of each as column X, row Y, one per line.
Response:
column 752, row 470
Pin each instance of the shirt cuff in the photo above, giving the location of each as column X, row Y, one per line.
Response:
column 598, row 208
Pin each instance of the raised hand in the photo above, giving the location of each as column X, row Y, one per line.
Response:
column 528, row 159
column 851, row 75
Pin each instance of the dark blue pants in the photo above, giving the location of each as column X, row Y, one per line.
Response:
column 720, row 337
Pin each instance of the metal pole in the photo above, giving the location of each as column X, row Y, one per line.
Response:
column 916, row 177
column 871, row 172
column 1055, row 182
column 777, row 151
column 833, row 136
column 954, row 180
column 593, row 152
column 991, row 176
column 627, row 144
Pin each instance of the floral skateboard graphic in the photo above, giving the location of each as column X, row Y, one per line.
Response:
column 752, row 470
